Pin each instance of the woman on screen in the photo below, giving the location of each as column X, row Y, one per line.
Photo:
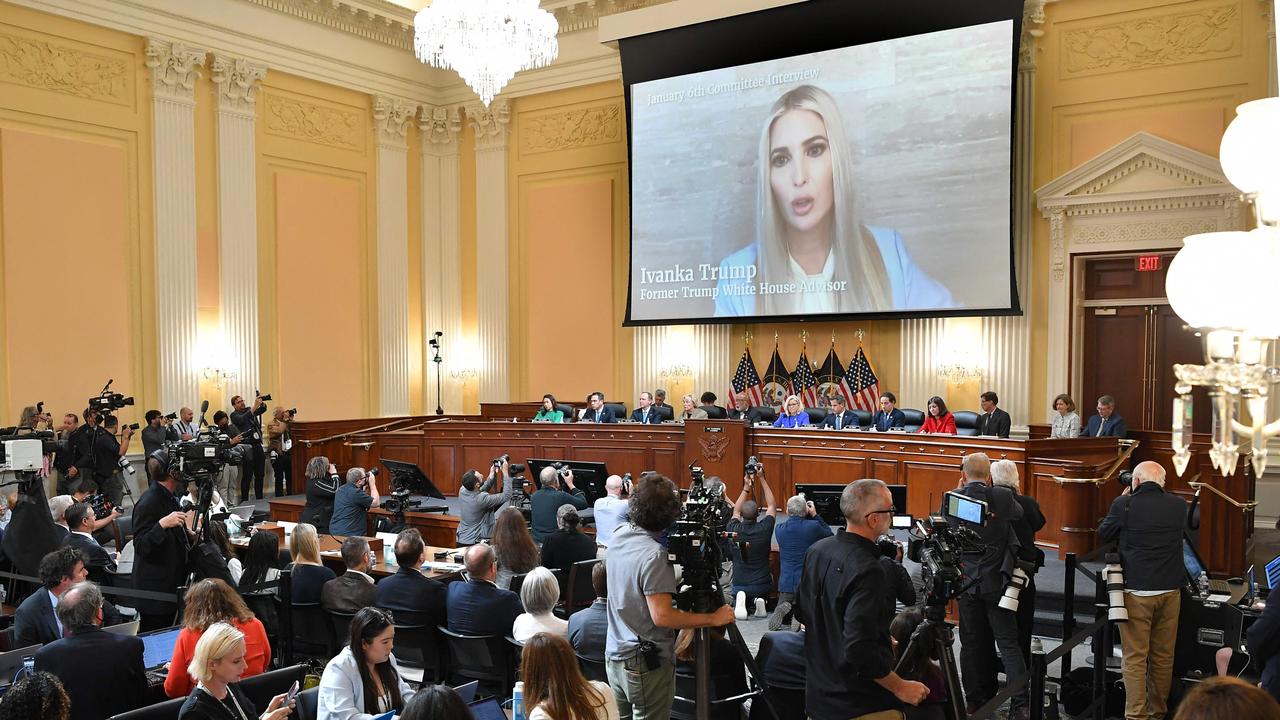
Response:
column 793, row 414
column 939, row 420
column 813, row 253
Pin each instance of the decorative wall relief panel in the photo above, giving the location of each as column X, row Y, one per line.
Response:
column 1185, row 36
column 299, row 119
column 66, row 68
column 569, row 129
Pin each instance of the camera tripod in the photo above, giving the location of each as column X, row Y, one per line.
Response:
column 939, row 634
column 708, row 602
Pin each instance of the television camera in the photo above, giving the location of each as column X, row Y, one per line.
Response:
column 106, row 402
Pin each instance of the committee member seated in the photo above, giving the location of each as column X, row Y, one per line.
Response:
column 352, row 502
column 101, row 671
column 889, row 416
column 742, row 409
column 363, row 679
column 35, row 622
column 548, row 412
column 841, row 416
column 478, row 606
column 597, row 412
column 751, row 578
column 546, row 502
column 354, row 589
column 539, row 595
column 690, row 410
column 589, row 627
column 646, row 413
column 660, row 398
column 1066, row 421
column 802, row 529
column 322, row 485
column 306, row 573
column 412, row 598
column 1106, row 423
column 207, row 603
column 477, row 506
column 938, row 419
column 708, row 400
column 98, row 561
column 217, row 664
column 793, row 414
column 993, row 420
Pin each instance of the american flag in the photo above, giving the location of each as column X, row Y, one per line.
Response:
column 863, row 382
column 747, row 380
column 803, row 381
column 831, row 380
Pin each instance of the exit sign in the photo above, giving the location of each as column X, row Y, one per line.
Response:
column 1148, row 263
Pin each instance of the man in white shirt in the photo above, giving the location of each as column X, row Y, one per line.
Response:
column 186, row 427
column 608, row 511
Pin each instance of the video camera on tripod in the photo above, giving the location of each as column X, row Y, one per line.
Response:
column 106, row 402
column 938, row 543
column 693, row 543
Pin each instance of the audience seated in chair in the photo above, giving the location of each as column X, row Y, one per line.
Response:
column 35, row 622
column 307, row 574
column 363, row 678
column 413, row 598
column 98, row 562
column 728, row 672
column 208, row 602
column 539, row 595
column 217, row 663
column 37, row 695
column 920, row 666
column 513, row 546
column 567, row 545
column 554, row 687
column 354, row 589
column 436, row 702
column 478, row 606
column 589, row 627
column 102, row 672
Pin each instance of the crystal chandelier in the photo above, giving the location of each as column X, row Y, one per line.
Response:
column 486, row 41
column 1222, row 285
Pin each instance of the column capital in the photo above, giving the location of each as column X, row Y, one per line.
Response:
column 391, row 116
column 174, row 68
column 490, row 123
column 237, row 80
column 1032, row 31
column 440, row 127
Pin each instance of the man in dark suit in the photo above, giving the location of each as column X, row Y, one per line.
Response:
column 249, row 420
column 646, row 412
column 993, row 421
column 354, row 589
column 160, row 539
column 98, row 561
column 34, row 622
column 589, row 627
column 478, row 606
column 889, row 415
column 841, row 416
column 414, row 598
column 102, row 672
column 598, row 412
column 1106, row 423
column 58, row 505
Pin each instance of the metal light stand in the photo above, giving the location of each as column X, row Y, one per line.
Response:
column 437, row 359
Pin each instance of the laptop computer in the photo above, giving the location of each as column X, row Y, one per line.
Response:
column 125, row 628
column 157, row 647
column 1194, row 566
column 468, row 692
column 242, row 512
column 11, row 662
column 488, row 709
column 1272, row 573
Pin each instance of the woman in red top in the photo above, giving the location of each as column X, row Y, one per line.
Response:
column 939, row 420
column 207, row 602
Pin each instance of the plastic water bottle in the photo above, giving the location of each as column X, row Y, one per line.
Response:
column 1203, row 583
column 517, row 702
column 28, row 668
column 389, row 553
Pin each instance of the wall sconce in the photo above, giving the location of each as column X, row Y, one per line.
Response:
column 676, row 373
column 959, row 372
column 215, row 363
column 462, row 375
column 217, row 375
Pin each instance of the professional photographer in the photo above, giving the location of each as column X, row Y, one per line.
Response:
column 249, row 421
column 898, row 587
column 751, row 578
column 547, row 500
column 161, row 535
column 1004, row 473
column 848, row 653
column 80, row 445
column 280, row 440
column 802, row 529
column 157, row 432
column 477, row 506
column 1149, row 523
column 322, row 486
column 64, row 458
column 982, row 620
column 352, row 502
column 640, row 649
column 107, row 456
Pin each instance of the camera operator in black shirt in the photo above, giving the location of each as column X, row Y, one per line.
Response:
column 107, row 455
column 65, row 457
column 898, row 587
column 157, row 432
column 80, row 447
column 981, row 617
column 249, row 420
column 1004, row 473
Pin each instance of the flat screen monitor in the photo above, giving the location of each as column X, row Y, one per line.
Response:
column 899, row 493
column 1272, row 571
column 406, row 474
column 965, row 508
column 1191, row 561
column 825, row 499
column 589, row 477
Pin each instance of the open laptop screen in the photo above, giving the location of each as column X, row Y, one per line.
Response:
column 157, row 647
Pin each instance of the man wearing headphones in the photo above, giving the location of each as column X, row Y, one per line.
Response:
column 161, row 535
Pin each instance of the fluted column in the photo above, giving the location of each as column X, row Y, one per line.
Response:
column 706, row 350
column 441, row 253
column 491, row 126
column 391, row 120
column 237, row 81
column 922, row 341
column 174, row 69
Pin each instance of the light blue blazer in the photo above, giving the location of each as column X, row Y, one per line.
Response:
column 342, row 691
column 912, row 288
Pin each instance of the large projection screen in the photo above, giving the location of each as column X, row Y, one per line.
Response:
column 869, row 175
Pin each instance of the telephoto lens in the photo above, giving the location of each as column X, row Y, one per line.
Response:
column 1114, row 574
column 1017, row 582
column 126, row 466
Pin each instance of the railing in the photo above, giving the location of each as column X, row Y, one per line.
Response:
column 1038, row 668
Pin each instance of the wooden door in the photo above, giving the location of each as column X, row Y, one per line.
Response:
column 1115, row 361
column 1174, row 344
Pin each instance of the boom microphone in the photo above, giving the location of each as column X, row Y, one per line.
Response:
column 204, row 406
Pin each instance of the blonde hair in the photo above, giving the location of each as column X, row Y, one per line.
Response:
column 857, row 257
column 786, row 404
column 1004, row 473
column 218, row 641
column 304, row 544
